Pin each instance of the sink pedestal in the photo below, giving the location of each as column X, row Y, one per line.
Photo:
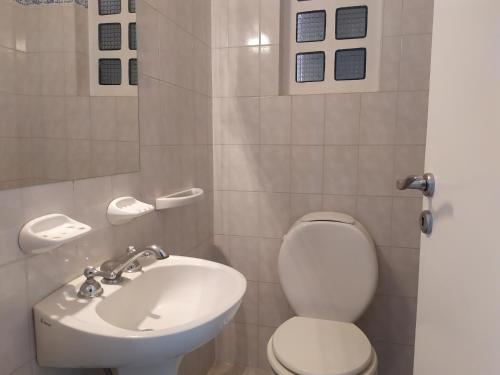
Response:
column 169, row 367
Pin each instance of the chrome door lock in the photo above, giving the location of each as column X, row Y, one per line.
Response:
column 426, row 222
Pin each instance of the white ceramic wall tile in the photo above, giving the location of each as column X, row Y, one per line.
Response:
column 273, row 305
column 376, row 170
column 238, row 344
column 244, row 255
column 403, row 269
column 15, row 346
column 269, row 28
column 417, row 16
column 408, row 158
column 341, row 170
column 243, row 23
column 231, row 368
column 249, row 311
column 268, row 267
column 412, row 117
column 275, row 120
column 275, row 171
column 92, row 197
column 179, row 11
column 307, row 171
column 7, row 11
column 302, row 204
column 378, row 118
column 392, row 318
column 274, row 214
column 265, row 334
column 12, row 210
column 414, row 73
column 243, row 213
column 342, row 119
column 394, row 359
column 269, row 70
column 23, row 370
column 103, row 118
column 406, row 222
column 202, row 67
column 393, row 10
column 149, row 51
column 308, row 119
column 240, row 121
column 244, row 167
column 243, row 72
column 375, row 214
column 220, row 72
column 340, row 203
column 220, row 14
column 203, row 119
column 77, row 117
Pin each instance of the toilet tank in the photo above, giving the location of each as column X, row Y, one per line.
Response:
column 328, row 267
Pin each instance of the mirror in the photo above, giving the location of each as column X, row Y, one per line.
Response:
column 68, row 90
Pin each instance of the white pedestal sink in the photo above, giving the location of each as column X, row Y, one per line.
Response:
column 143, row 326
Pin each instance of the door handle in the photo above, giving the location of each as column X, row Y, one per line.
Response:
column 425, row 183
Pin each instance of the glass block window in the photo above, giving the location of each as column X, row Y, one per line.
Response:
column 311, row 26
column 132, row 72
column 310, row 67
column 350, row 64
column 351, row 22
column 112, row 42
column 110, row 72
column 330, row 46
column 131, row 6
column 107, row 7
column 132, row 36
column 110, row 36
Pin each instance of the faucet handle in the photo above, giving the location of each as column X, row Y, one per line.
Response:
column 91, row 287
column 135, row 266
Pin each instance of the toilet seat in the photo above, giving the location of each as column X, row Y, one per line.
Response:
column 308, row 346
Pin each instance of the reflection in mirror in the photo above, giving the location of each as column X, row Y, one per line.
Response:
column 66, row 111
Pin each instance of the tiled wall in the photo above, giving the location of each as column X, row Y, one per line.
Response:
column 51, row 130
column 176, row 154
column 279, row 157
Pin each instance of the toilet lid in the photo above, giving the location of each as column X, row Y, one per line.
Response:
column 328, row 267
column 309, row 346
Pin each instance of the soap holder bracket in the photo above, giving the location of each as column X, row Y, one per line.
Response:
column 49, row 232
column 124, row 209
column 179, row 199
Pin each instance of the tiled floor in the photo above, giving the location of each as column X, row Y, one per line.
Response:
column 230, row 369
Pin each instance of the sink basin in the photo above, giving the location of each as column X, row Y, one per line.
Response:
column 143, row 326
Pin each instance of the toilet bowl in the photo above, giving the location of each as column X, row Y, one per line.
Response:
column 328, row 271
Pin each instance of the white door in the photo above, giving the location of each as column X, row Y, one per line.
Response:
column 458, row 320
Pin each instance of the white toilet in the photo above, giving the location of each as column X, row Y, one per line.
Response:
column 328, row 270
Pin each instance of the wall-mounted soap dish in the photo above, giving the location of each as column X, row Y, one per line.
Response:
column 49, row 232
column 124, row 209
column 182, row 198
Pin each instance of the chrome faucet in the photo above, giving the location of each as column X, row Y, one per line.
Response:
column 111, row 270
